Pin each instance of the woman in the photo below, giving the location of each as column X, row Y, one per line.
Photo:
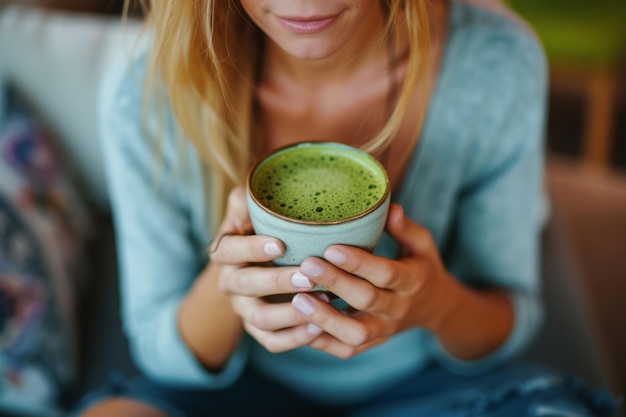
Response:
column 449, row 95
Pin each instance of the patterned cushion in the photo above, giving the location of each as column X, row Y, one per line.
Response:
column 43, row 229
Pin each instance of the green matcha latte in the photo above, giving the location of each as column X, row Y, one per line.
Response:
column 319, row 182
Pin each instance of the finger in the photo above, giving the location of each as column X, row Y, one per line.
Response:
column 284, row 340
column 358, row 293
column 237, row 249
column 353, row 331
column 265, row 316
column 237, row 218
column 381, row 272
column 415, row 239
column 333, row 346
column 262, row 281
column 415, row 242
column 271, row 316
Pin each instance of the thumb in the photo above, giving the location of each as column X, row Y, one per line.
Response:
column 237, row 218
column 412, row 238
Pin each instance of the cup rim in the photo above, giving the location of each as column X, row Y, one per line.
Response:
column 373, row 208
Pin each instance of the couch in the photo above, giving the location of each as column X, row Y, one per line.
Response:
column 63, row 64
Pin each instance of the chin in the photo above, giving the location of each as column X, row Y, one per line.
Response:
column 309, row 50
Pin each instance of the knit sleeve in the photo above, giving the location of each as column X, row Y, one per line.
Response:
column 501, row 207
column 158, row 256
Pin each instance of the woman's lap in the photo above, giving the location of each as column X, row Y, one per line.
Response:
column 250, row 395
column 511, row 390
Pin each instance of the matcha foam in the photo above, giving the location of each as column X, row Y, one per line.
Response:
column 319, row 183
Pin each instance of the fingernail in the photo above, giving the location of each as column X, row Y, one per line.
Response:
column 313, row 330
column 272, row 249
column 322, row 296
column 303, row 304
column 300, row 281
column 311, row 269
column 335, row 256
column 400, row 217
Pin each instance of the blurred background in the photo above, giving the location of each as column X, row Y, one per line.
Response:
column 585, row 43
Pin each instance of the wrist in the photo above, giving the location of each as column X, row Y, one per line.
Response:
column 206, row 322
column 450, row 294
column 473, row 323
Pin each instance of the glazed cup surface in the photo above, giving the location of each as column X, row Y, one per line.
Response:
column 304, row 238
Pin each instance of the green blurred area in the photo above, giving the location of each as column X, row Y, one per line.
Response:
column 578, row 33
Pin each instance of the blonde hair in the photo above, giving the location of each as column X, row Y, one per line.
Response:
column 206, row 54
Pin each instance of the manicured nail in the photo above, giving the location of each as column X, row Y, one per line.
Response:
column 311, row 269
column 322, row 296
column 313, row 330
column 335, row 256
column 303, row 304
column 300, row 281
column 272, row 249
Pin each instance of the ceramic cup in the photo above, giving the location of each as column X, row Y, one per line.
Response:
column 312, row 195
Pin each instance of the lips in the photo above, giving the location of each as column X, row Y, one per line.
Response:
column 307, row 25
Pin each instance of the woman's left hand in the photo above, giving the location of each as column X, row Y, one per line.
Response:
column 387, row 296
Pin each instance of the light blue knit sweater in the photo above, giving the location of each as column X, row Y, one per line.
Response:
column 474, row 180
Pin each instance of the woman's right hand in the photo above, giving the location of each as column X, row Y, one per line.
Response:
column 260, row 294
